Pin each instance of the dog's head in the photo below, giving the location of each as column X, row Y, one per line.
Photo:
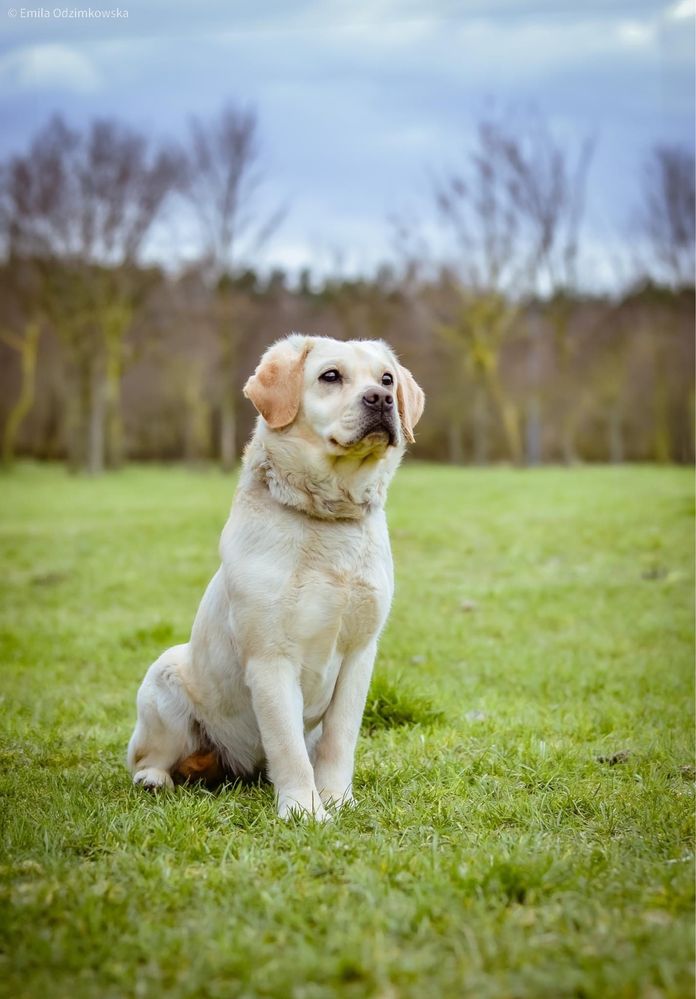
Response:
column 352, row 396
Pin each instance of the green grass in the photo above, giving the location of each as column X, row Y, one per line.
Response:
column 543, row 620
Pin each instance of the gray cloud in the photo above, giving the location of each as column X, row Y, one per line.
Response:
column 359, row 101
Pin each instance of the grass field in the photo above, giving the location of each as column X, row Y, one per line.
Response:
column 525, row 773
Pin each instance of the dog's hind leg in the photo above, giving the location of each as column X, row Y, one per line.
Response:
column 165, row 731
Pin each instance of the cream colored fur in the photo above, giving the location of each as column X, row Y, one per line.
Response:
column 278, row 665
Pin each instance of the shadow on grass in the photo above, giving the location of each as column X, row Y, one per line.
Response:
column 392, row 703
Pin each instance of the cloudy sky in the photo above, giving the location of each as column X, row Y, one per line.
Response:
column 361, row 102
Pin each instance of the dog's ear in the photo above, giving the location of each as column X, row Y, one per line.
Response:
column 410, row 399
column 275, row 388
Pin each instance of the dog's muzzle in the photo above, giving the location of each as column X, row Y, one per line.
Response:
column 379, row 412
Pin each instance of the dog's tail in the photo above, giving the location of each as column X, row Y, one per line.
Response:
column 203, row 765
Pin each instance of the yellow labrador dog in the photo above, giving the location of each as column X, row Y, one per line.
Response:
column 282, row 648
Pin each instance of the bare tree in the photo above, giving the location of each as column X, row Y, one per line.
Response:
column 493, row 266
column 667, row 217
column 667, row 223
column 79, row 205
column 26, row 344
column 515, row 212
column 222, row 182
column 21, row 325
column 548, row 190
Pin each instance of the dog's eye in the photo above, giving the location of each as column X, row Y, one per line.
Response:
column 387, row 379
column 332, row 375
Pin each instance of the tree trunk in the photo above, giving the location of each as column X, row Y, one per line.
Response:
column 560, row 319
column 455, row 451
column 77, row 405
column 96, row 421
column 229, row 333
column 533, row 428
column 73, row 429
column 661, row 435
column 197, row 427
column 116, row 317
column 616, row 434
column 114, row 422
column 533, row 433
column 507, row 413
column 28, row 353
column 228, row 432
column 480, row 428
column 568, row 449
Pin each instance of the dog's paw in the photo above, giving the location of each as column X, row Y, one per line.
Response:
column 335, row 789
column 336, row 799
column 153, row 779
column 303, row 805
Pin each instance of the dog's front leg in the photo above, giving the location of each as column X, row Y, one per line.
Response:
column 335, row 759
column 277, row 700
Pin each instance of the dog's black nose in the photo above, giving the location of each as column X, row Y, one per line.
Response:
column 378, row 399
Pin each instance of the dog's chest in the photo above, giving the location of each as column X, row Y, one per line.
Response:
column 341, row 610
column 342, row 601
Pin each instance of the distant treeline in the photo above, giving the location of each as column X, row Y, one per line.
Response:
column 623, row 392
column 104, row 359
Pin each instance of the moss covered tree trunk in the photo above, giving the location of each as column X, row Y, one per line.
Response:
column 228, row 430
column 197, row 424
column 662, row 435
column 560, row 318
column 478, row 332
column 96, row 419
column 28, row 349
column 116, row 321
column 228, row 332
column 615, row 428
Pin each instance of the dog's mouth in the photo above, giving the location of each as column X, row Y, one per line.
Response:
column 372, row 437
column 381, row 426
column 381, row 431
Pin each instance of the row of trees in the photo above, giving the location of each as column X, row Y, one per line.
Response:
column 516, row 362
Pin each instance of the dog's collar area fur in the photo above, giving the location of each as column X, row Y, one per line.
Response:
column 316, row 492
